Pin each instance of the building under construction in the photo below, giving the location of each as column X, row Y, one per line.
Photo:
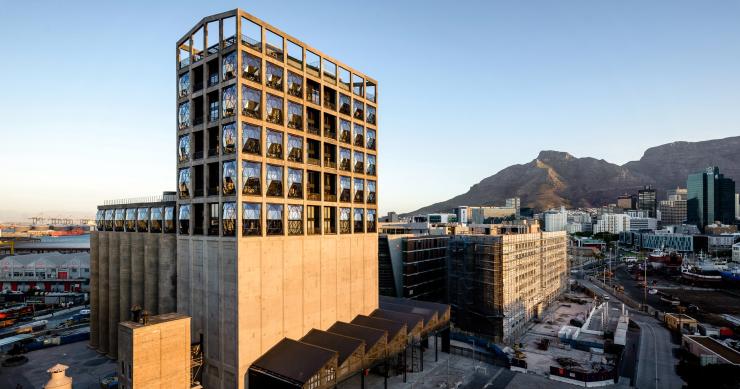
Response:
column 498, row 283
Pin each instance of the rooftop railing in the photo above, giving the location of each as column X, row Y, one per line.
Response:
column 165, row 197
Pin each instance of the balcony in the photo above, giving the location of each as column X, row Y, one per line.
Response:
column 251, row 43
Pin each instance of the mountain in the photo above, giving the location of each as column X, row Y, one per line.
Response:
column 557, row 178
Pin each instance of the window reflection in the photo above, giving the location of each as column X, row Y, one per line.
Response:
column 252, row 178
column 330, row 126
column 183, row 149
column 183, row 85
column 229, row 101
column 229, row 178
column 359, row 135
column 345, row 226
column 183, row 116
column 344, row 78
column 295, row 220
column 142, row 220
column 359, row 162
column 229, row 138
column 183, row 219
column 344, row 104
column 274, row 144
column 359, row 196
column 229, row 66
column 274, row 109
column 295, row 183
column 359, row 110
column 344, row 131
column 251, row 102
column 371, row 114
column 118, row 221
column 274, row 76
column 371, row 139
column 274, row 45
column 295, row 55
column 371, row 192
column 251, row 219
column 183, row 182
column 228, row 219
column 274, row 181
column 131, row 219
column 344, row 159
column 228, row 25
column 274, row 219
column 344, row 189
column 358, row 85
column 251, row 67
column 155, row 219
column 169, row 219
column 295, row 85
column 295, row 116
column 371, row 220
column 252, row 139
column 371, row 91
column 371, row 164
column 359, row 219
column 313, row 63
column 295, row 148
column 108, row 220
column 100, row 220
column 330, row 70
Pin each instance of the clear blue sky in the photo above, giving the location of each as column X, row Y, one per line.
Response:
column 466, row 88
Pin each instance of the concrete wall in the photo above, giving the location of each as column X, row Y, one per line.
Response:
column 94, row 301
column 102, row 291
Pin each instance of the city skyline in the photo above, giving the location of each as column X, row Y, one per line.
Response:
column 677, row 83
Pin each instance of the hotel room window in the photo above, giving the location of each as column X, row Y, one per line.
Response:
column 251, row 67
column 274, row 109
column 330, row 155
column 344, row 159
column 359, row 110
column 100, row 220
column 295, row 116
column 274, row 144
column 371, row 164
column 155, row 219
column 229, row 66
column 295, row 85
column 344, row 104
column 183, row 149
column 183, row 116
column 229, row 101
column 142, row 220
column 131, row 219
column 330, row 98
column 371, row 220
column 330, row 187
column 274, row 45
column 371, row 192
column 183, row 85
column 274, row 75
column 229, row 178
column 118, row 220
column 274, row 219
column 345, row 134
column 183, row 183
column 330, row 220
column 359, row 190
column 359, row 158
column 295, row 220
column 295, row 148
column 371, row 114
column 359, row 136
column 251, row 104
column 313, row 121
column 345, row 194
column 251, row 219
column 252, row 138
column 274, row 181
column 228, row 219
column 183, row 219
column 295, row 183
column 169, row 219
column 313, row 220
column 371, row 139
column 330, row 126
column 345, row 223
column 228, row 138
column 252, row 178
column 359, row 220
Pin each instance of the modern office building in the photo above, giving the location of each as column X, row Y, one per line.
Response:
column 672, row 212
column 555, row 220
column 413, row 267
column 711, row 197
column 498, row 283
column 677, row 194
column 647, row 201
column 613, row 223
column 516, row 203
column 626, row 201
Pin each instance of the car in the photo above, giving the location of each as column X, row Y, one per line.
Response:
column 84, row 311
column 606, row 297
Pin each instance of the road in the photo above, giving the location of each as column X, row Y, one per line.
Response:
column 656, row 362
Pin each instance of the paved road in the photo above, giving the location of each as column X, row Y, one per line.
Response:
column 656, row 361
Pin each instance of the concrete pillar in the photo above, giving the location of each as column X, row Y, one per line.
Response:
column 114, row 268
column 94, row 304
column 58, row 378
column 124, row 305
column 137, row 269
column 151, row 270
column 167, row 273
column 103, row 240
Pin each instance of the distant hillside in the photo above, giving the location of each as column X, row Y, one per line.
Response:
column 556, row 178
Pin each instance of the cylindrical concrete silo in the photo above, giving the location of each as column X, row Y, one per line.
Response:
column 114, row 260
column 103, row 243
column 151, row 270
column 94, row 285
column 137, row 269
column 167, row 273
column 124, row 305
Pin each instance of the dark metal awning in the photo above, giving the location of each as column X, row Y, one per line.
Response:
column 294, row 361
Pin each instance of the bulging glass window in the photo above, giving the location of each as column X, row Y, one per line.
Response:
column 295, row 148
column 229, row 66
column 183, row 150
column 359, row 110
column 251, row 219
column 100, row 220
column 295, row 183
column 274, row 76
column 344, row 104
column 183, row 219
column 371, row 139
column 295, row 220
column 345, row 224
column 274, row 144
column 274, row 219
column 155, row 219
column 183, row 116
column 295, row 85
column 359, row 190
column 252, row 138
column 359, row 162
column 183, row 85
column 295, row 116
column 344, row 189
column 371, row 192
column 108, row 220
column 274, row 181
column 358, row 85
column 371, row 220
column 251, row 67
column 359, row 219
column 359, row 136
column 229, row 101
column 118, row 220
column 371, row 164
column 142, row 220
column 228, row 139
column 169, row 219
column 371, row 114
column 252, row 178
column 229, row 178
column 274, row 109
column 251, row 102
column 344, row 131
column 131, row 219
column 183, row 183
column 228, row 219
column 371, row 91
column 344, row 159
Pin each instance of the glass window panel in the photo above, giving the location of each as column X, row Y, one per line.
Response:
column 295, row 116
column 251, row 219
column 229, row 177
column 108, row 219
column 358, row 85
column 274, row 45
column 252, row 139
column 295, row 55
column 295, row 219
column 371, row 220
column 184, row 54
column 359, row 110
column 345, row 226
column 251, row 67
column 344, row 131
column 183, row 85
column 229, row 99
column 274, row 76
column 142, row 220
column 155, row 218
column 359, row 136
column 274, row 144
column 344, row 104
column 251, row 100
column 344, row 189
column 251, row 34
column 330, row 70
column 183, row 218
column 295, row 148
column 295, row 84
column 228, row 219
column 229, row 138
column 183, row 150
column 198, row 42
column 371, row 164
column 184, row 184
column 344, row 159
column 274, row 219
column 371, row 139
column 100, row 220
column 359, row 190
column 371, row 114
column 274, row 180
column 313, row 63
column 344, row 78
column 274, row 109
column 251, row 178
column 371, row 192
column 229, row 66
column 359, row 158
column 169, row 219
column 131, row 219
column 183, row 115
column 295, row 183
column 371, row 91
column 359, row 220
column 229, row 31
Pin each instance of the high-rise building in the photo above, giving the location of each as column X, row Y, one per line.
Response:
column 514, row 202
column 677, row 194
column 647, row 201
column 711, row 197
column 737, row 206
column 613, row 223
column 672, row 211
column 555, row 220
column 413, row 267
column 626, row 201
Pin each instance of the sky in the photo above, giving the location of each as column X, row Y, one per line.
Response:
column 466, row 88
